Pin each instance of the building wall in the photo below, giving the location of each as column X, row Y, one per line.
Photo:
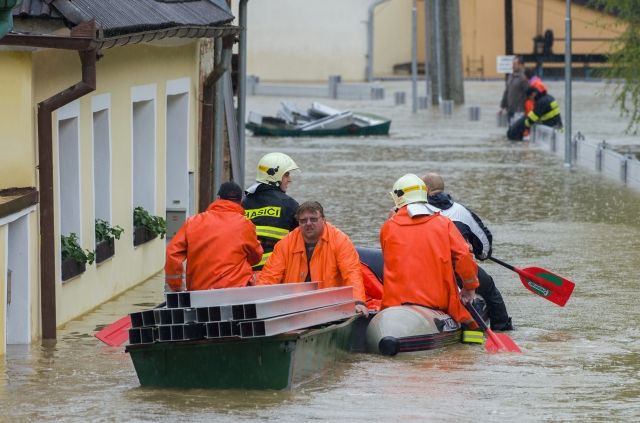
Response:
column 31, row 312
column 483, row 32
column 392, row 35
column 483, row 29
column 118, row 72
column 3, row 286
column 307, row 40
column 17, row 148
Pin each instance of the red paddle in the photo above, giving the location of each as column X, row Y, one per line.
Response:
column 495, row 341
column 117, row 333
column 543, row 282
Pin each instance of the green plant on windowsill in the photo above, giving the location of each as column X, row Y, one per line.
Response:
column 106, row 232
column 71, row 249
column 154, row 224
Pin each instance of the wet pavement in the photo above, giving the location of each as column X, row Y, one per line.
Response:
column 579, row 363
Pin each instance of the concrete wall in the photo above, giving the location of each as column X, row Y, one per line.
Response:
column 119, row 72
column 592, row 155
column 17, row 148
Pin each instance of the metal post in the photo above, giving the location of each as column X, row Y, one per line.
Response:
column 438, row 49
column 508, row 27
column 427, row 80
column 370, row 35
column 567, row 87
column 242, row 89
column 414, row 56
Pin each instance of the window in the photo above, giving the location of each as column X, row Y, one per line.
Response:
column 144, row 147
column 69, row 169
column 101, row 157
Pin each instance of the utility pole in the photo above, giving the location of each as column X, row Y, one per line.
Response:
column 453, row 81
column 414, row 56
column 567, row 86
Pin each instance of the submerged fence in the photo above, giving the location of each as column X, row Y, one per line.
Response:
column 598, row 157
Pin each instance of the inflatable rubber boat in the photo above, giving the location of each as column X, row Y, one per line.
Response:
column 405, row 328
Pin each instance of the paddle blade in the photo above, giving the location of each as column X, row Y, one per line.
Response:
column 546, row 284
column 497, row 342
column 117, row 333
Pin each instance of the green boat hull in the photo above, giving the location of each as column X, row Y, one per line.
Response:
column 270, row 130
column 275, row 362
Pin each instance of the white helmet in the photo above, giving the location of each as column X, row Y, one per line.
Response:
column 409, row 189
column 273, row 166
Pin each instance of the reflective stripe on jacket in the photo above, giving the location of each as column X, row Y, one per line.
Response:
column 273, row 213
column 420, row 255
column 334, row 262
column 546, row 111
column 220, row 245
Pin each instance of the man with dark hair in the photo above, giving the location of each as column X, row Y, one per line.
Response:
column 515, row 92
column 219, row 245
column 479, row 239
column 316, row 251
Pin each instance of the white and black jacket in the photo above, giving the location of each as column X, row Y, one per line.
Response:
column 467, row 222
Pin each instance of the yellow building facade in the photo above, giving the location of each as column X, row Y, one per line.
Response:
column 145, row 94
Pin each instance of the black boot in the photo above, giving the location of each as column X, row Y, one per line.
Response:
column 503, row 326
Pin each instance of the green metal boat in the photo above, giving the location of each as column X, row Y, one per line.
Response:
column 282, row 361
column 364, row 124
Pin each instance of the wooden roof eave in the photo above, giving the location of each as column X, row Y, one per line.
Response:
column 13, row 200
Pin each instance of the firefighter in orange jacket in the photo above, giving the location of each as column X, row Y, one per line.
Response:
column 421, row 249
column 316, row 251
column 220, row 246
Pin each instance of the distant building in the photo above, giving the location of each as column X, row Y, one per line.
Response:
column 307, row 40
column 128, row 133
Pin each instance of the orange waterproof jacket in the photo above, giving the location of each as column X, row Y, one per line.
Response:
column 334, row 262
column 420, row 254
column 220, row 246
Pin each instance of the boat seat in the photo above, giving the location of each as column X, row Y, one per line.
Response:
column 372, row 257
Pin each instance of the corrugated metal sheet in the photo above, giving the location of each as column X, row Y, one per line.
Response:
column 116, row 17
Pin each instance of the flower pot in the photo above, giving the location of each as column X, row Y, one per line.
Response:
column 71, row 268
column 142, row 235
column 105, row 249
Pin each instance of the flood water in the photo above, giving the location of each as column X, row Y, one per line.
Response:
column 579, row 363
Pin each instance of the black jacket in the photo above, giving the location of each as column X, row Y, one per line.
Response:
column 546, row 112
column 273, row 212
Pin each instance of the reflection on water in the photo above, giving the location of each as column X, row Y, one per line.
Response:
column 580, row 362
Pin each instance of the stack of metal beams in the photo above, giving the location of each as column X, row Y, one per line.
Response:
column 241, row 312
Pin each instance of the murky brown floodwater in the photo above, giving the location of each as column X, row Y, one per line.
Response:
column 579, row 363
